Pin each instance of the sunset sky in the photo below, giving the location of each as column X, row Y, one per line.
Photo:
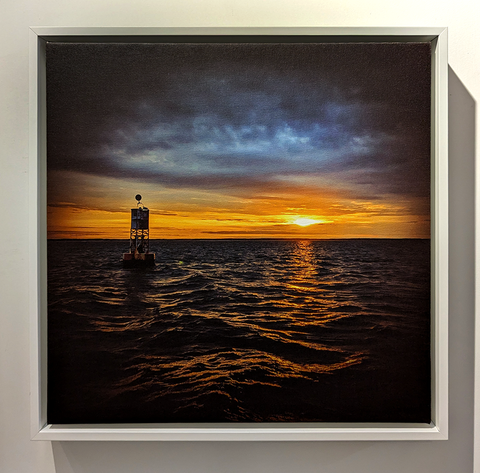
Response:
column 239, row 140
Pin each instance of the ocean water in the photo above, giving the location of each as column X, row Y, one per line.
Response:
column 240, row 331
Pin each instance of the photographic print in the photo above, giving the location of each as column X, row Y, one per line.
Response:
column 239, row 232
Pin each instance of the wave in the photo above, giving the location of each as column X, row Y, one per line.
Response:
column 240, row 331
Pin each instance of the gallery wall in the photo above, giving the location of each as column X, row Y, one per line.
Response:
column 20, row 455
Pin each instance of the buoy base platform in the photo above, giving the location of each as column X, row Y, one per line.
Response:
column 138, row 259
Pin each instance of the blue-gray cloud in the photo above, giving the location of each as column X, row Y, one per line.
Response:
column 242, row 115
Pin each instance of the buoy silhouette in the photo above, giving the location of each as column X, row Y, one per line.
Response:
column 139, row 254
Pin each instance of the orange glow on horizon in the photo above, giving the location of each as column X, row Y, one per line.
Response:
column 100, row 208
column 344, row 219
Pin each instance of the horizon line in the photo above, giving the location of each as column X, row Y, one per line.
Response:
column 247, row 239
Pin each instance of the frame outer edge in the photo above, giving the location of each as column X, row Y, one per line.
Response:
column 41, row 431
column 226, row 434
column 441, row 234
column 37, row 232
column 33, row 238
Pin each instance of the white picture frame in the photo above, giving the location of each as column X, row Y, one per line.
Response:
column 41, row 430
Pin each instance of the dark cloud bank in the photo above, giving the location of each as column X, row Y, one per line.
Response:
column 230, row 115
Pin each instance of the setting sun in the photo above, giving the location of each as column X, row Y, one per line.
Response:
column 305, row 222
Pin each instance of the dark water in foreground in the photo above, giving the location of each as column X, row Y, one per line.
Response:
column 240, row 330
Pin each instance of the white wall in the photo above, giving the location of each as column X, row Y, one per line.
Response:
column 18, row 454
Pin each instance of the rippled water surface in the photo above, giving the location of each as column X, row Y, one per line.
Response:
column 240, row 330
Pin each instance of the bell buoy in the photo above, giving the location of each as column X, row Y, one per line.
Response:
column 139, row 253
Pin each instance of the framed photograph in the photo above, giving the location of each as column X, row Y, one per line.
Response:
column 239, row 234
